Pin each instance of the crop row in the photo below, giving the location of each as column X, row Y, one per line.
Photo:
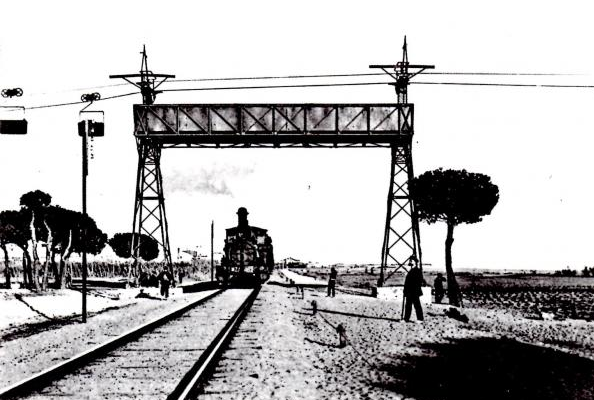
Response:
column 536, row 303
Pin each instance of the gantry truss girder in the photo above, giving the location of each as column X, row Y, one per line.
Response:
column 274, row 125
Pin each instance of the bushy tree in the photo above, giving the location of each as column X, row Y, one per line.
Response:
column 454, row 197
column 35, row 203
column 13, row 230
column 35, row 200
column 72, row 232
column 63, row 231
column 121, row 243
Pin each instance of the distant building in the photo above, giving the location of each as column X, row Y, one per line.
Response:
column 290, row 262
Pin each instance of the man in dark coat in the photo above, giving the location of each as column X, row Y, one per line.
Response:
column 412, row 291
column 165, row 279
column 332, row 282
column 438, row 288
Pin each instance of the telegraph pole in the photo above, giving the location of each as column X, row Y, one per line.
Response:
column 212, row 251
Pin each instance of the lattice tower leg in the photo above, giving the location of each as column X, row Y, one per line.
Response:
column 149, row 206
column 402, row 239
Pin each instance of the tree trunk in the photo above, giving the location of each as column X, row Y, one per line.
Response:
column 6, row 266
column 63, row 258
column 25, row 281
column 62, row 273
column 453, row 289
column 47, row 255
column 35, row 265
column 69, row 269
column 44, row 279
column 27, row 267
column 55, row 271
column 131, row 269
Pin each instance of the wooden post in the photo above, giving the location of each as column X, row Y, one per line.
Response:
column 212, row 251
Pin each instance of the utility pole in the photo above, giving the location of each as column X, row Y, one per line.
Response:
column 85, row 171
column 401, row 235
column 89, row 128
column 212, row 251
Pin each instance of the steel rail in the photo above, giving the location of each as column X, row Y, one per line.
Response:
column 59, row 370
column 190, row 384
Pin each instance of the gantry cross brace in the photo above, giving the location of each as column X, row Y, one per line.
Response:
column 277, row 125
column 149, row 205
column 402, row 239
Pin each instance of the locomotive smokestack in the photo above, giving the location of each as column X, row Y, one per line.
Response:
column 242, row 220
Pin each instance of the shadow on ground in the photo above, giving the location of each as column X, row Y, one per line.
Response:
column 321, row 310
column 490, row 369
column 331, row 345
column 33, row 328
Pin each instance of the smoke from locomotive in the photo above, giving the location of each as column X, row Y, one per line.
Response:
column 248, row 255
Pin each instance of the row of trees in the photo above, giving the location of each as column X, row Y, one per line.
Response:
column 586, row 272
column 62, row 232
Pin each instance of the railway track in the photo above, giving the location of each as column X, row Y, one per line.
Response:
column 167, row 358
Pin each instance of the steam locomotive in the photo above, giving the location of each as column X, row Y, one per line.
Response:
column 248, row 254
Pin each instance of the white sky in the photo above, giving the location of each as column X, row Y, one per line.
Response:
column 319, row 205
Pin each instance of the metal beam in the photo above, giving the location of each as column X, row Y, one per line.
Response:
column 171, row 125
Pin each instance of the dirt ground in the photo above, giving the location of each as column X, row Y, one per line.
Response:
column 285, row 351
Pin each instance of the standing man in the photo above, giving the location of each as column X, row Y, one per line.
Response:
column 181, row 274
column 412, row 291
column 165, row 279
column 438, row 288
column 332, row 282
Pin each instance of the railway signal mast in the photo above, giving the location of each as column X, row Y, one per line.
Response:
column 90, row 125
column 402, row 240
column 149, row 204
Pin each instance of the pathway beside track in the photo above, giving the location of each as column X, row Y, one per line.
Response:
column 301, row 280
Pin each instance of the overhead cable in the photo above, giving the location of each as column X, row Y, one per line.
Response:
column 79, row 102
column 365, row 74
column 536, row 85
column 343, row 75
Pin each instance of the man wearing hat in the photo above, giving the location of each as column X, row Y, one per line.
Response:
column 412, row 290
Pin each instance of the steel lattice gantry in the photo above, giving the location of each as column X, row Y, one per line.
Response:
column 159, row 126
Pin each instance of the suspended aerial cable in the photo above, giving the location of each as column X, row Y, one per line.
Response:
column 79, row 102
column 365, row 74
column 372, row 83
column 274, row 77
column 81, row 89
column 536, row 85
column 275, row 86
